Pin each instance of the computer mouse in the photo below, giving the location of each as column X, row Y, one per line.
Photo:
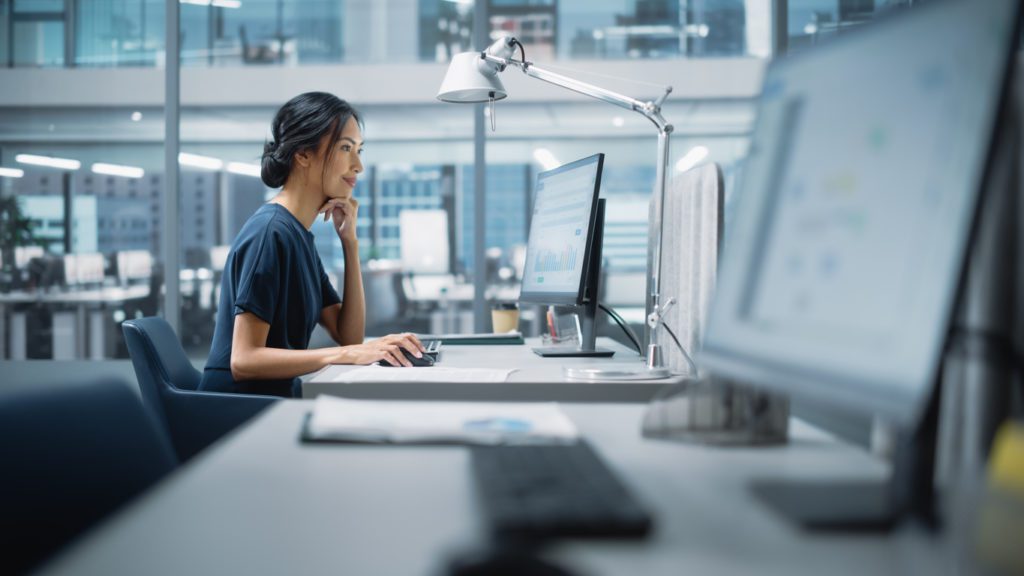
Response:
column 416, row 362
column 504, row 563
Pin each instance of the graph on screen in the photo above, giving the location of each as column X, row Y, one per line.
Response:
column 558, row 233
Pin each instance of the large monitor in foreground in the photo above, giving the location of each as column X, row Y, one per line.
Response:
column 854, row 212
column 563, row 254
column 854, row 215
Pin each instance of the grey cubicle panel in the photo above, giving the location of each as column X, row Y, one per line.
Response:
column 693, row 224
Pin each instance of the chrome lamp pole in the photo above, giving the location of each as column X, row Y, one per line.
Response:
column 473, row 78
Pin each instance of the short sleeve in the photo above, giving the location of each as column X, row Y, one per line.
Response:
column 328, row 295
column 258, row 276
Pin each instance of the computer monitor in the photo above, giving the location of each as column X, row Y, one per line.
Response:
column 23, row 254
column 854, row 212
column 563, row 253
column 133, row 266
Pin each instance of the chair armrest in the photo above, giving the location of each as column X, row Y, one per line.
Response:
column 198, row 419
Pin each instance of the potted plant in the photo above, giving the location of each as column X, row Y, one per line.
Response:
column 15, row 231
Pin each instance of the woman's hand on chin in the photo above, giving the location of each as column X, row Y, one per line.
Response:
column 343, row 212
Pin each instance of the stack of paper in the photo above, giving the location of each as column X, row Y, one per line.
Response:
column 345, row 420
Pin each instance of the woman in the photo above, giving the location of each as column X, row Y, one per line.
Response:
column 274, row 289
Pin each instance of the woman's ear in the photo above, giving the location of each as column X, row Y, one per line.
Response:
column 303, row 158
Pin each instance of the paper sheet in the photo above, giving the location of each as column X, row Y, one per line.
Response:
column 375, row 373
column 426, row 422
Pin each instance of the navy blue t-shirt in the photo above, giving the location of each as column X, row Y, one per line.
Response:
column 274, row 272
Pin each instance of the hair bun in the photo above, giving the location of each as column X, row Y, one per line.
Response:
column 273, row 171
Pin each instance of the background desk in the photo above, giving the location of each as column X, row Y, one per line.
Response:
column 535, row 378
column 77, row 332
column 262, row 503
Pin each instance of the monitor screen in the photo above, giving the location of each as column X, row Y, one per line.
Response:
column 561, row 230
column 854, row 210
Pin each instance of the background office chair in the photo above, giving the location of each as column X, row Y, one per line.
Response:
column 71, row 454
column 169, row 383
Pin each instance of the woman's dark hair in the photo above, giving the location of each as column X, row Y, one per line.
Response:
column 300, row 125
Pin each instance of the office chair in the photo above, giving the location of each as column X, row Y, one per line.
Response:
column 169, row 385
column 71, row 455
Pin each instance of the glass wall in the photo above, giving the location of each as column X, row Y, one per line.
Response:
column 812, row 21
column 616, row 29
column 106, row 205
column 119, row 33
column 89, row 257
column 299, row 32
column 35, row 29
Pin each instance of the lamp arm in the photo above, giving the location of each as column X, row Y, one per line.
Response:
column 651, row 110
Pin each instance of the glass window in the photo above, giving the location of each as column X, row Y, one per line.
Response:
column 88, row 257
column 119, row 33
column 445, row 29
column 39, row 6
column 811, row 21
column 195, row 20
column 659, row 29
column 38, row 43
column 4, row 33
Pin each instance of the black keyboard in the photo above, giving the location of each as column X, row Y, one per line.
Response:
column 541, row 492
column 433, row 348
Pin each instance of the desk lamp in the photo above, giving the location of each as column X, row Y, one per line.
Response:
column 472, row 78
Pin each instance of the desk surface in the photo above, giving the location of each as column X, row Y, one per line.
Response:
column 76, row 296
column 262, row 503
column 534, row 379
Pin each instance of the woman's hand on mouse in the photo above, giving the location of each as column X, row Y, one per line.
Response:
column 388, row 348
column 406, row 340
column 369, row 353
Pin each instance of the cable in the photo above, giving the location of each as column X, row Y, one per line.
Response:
column 577, row 71
column 522, row 50
column 693, row 367
column 622, row 324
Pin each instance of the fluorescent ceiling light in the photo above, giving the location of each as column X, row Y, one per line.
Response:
column 49, row 161
column 12, row 172
column 692, row 158
column 217, row 3
column 546, row 159
column 244, row 169
column 136, row 116
column 118, row 170
column 198, row 161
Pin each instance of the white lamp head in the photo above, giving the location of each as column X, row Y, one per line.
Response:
column 471, row 79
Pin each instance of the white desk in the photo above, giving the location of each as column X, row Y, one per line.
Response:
column 262, row 503
column 535, row 378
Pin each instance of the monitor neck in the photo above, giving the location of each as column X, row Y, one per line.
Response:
column 592, row 277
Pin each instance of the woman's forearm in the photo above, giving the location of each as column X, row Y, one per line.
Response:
column 351, row 326
column 264, row 363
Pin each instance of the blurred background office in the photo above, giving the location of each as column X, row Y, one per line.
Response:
column 83, row 132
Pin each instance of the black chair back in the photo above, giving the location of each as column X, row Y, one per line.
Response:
column 71, row 455
column 169, row 384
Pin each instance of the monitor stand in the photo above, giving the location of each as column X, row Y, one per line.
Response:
column 588, row 325
column 845, row 505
